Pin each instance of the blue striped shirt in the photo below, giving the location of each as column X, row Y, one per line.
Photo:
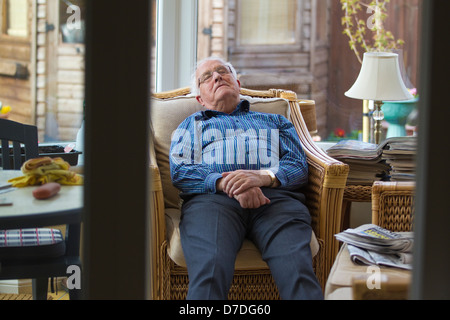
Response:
column 210, row 142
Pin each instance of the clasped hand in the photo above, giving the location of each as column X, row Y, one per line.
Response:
column 245, row 187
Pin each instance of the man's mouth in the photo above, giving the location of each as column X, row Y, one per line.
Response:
column 220, row 85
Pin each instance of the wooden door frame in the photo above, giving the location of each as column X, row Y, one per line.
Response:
column 52, row 39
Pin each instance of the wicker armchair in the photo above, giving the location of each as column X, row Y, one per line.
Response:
column 252, row 280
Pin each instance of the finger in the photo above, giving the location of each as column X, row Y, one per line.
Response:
column 239, row 186
column 226, row 176
column 259, row 199
column 259, row 202
column 263, row 200
column 233, row 182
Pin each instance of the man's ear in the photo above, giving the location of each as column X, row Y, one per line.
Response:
column 200, row 100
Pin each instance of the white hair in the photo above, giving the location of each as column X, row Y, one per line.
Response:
column 194, row 80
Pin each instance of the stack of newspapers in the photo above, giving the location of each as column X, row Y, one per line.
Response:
column 370, row 244
column 400, row 155
column 391, row 160
column 364, row 160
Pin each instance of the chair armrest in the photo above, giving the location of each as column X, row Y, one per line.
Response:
column 157, row 201
column 326, row 185
column 157, row 217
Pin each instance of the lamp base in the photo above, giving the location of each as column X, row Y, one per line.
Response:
column 378, row 116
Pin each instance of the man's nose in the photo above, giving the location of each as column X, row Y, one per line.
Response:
column 217, row 76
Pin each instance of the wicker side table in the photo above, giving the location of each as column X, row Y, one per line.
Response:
column 353, row 193
column 393, row 209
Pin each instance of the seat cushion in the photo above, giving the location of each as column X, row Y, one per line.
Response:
column 166, row 116
column 31, row 243
column 248, row 257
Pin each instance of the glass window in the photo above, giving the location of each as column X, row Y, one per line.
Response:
column 300, row 45
column 265, row 22
column 272, row 44
column 16, row 22
column 42, row 66
column 71, row 15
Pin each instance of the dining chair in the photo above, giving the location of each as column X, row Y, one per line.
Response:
column 32, row 253
column 12, row 135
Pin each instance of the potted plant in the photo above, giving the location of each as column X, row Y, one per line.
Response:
column 396, row 113
column 367, row 35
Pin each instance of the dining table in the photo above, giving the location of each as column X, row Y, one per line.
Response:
column 19, row 209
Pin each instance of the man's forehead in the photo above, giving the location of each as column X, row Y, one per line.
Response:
column 207, row 65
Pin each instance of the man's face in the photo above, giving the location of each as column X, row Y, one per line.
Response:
column 219, row 89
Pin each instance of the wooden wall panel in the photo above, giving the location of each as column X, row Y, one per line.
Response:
column 70, row 89
column 16, row 90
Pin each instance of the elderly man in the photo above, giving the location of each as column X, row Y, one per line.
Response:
column 233, row 189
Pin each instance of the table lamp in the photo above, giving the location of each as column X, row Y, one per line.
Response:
column 379, row 80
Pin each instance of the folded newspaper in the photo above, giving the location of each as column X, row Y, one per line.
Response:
column 401, row 260
column 371, row 244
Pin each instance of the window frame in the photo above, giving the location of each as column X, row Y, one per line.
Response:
column 176, row 43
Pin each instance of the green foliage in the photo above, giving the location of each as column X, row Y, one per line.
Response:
column 370, row 35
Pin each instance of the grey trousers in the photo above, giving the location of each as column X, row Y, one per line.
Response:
column 213, row 227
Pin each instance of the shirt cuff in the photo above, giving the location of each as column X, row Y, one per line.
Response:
column 210, row 182
column 281, row 176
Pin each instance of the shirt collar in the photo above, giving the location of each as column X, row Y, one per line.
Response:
column 243, row 106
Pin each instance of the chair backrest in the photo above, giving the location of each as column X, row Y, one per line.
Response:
column 12, row 135
column 168, row 113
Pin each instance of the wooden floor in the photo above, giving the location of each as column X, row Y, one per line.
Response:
column 60, row 295
column 4, row 296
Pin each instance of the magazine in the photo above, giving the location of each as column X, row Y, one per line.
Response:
column 371, row 244
column 373, row 237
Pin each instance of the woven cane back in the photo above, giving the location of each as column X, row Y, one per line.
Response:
column 393, row 205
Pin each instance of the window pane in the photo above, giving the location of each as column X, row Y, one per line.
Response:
column 72, row 21
column 265, row 22
column 17, row 18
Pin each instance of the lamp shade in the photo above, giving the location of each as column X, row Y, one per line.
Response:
column 379, row 79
